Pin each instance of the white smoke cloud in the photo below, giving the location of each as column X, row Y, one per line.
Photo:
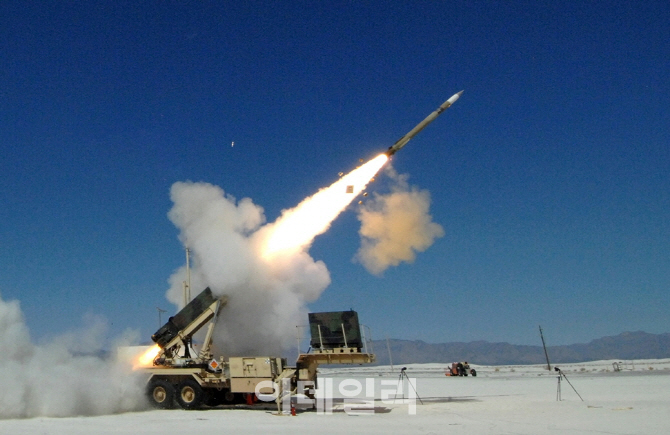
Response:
column 55, row 379
column 267, row 296
column 266, row 300
column 395, row 226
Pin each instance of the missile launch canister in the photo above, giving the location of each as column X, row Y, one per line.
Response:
column 403, row 140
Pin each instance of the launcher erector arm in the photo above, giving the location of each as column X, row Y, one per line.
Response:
column 180, row 329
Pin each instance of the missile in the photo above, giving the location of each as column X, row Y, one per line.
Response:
column 403, row 140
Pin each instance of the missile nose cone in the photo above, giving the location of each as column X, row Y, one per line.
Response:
column 454, row 97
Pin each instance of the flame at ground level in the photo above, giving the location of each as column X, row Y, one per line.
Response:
column 147, row 358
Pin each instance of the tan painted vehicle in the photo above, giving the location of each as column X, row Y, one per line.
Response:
column 179, row 379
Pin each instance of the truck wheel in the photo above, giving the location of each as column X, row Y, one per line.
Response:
column 229, row 397
column 212, row 398
column 161, row 394
column 190, row 394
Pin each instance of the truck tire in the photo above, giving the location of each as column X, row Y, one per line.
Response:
column 230, row 397
column 190, row 394
column 214, row 397
column 160, row 394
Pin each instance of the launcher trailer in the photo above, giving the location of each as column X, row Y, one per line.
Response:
column 179, row 379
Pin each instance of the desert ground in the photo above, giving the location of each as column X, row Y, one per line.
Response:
column 366, row 400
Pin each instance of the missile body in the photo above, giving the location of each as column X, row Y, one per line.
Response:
column 403, row 140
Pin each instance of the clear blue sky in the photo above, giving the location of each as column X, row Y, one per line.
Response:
column 550, row 176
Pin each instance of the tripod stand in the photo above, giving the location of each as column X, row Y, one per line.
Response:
column 558, row 389
column 401, row 378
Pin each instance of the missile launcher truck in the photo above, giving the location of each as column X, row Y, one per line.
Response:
column 179, row 379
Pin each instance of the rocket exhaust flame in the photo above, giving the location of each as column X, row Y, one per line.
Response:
column 297, row 227
column 147, row 358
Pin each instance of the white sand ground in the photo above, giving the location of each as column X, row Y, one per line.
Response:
column 500, row 400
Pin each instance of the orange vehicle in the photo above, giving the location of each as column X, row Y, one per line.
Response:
column 460, row 369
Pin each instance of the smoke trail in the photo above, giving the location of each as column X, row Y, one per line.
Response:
column 264, row 270
column 395, row 226
column 265, row 300
column 296, row 228
column 54, row 379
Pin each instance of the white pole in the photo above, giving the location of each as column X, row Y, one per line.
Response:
column 388, row 346
column 188, row 276
column 183, row 284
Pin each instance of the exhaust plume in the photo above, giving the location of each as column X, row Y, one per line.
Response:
column 264, row 269
column 56, row 379
column 395, row 226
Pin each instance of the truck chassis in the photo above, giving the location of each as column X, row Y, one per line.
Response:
column 177, row 379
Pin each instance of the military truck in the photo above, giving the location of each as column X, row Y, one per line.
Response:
column 179, row 379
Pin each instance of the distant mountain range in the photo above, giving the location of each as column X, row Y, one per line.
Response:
column 625, row 346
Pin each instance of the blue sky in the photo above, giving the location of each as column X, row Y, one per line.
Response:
column 549, row 175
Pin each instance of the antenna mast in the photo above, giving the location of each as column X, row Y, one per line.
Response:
column 546, row 355
column 187, row 283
